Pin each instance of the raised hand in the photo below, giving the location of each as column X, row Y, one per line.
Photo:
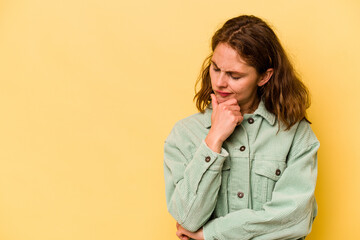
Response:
column 225, row 117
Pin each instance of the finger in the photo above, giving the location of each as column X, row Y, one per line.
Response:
column 240, row 119
column 231, row 101
column 179, row 234
column 214, row 101
column 233, row 108
column 184, row 237
column 177, row 225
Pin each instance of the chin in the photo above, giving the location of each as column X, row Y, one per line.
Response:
column 221, row 98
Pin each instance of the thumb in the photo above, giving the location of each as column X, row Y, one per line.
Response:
column 214, row 101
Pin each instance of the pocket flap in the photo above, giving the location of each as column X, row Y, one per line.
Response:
column 269, row 169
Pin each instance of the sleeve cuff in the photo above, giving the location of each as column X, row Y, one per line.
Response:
column 204, row 159
column 215, row 160
column 209, row 232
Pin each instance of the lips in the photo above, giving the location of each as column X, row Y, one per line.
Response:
column 223, row 94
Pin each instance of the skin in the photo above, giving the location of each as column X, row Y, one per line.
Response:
column 230, row 74
column 184, row 234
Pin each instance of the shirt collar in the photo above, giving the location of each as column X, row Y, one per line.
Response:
column 263, row 112
column 260, row 111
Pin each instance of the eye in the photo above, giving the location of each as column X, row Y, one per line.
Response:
column 216, row 69
column 234, row 77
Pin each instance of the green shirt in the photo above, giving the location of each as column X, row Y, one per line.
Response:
column 260, row 186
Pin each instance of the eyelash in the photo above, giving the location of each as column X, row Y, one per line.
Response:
column 235, row 78
column 218, row 70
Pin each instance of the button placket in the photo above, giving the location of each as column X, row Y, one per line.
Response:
column 239, row 181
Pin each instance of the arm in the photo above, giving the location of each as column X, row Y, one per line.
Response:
column 288, row 215
column 192, row 184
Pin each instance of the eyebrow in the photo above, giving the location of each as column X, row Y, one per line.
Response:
column 228, row 72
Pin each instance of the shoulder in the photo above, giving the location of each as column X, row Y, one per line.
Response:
column 305, row 132
column 188, row 133
column 304, row 137
column 194, row 120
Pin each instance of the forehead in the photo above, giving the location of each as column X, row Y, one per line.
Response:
column 228, row 59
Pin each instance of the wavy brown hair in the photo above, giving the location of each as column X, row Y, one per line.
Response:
column 284, row 94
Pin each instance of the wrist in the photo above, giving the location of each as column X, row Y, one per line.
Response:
column 214, row 143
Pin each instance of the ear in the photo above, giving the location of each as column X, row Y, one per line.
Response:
column 265, row 77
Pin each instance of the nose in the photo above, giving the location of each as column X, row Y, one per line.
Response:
column 221, row 81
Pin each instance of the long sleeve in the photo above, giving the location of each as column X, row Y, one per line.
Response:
column 289, row 213
column 192, row 179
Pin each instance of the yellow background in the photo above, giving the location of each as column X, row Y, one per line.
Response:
column 90, row 89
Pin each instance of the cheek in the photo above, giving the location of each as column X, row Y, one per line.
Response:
column 242, row 88
column 236, row 88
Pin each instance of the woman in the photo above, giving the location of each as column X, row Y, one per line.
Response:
column 245, row 166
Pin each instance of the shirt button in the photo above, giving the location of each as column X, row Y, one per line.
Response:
column 278, row 172
column 242, row 148
column 240, row 194
column 251, row 120
column 207, row 159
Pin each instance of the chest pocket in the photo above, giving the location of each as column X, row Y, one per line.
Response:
column 265, row 174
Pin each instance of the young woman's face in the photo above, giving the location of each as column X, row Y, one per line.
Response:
column 232, row 77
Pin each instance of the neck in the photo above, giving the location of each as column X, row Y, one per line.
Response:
column 250, row 107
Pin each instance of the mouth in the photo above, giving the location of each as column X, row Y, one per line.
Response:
column 223, row 94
